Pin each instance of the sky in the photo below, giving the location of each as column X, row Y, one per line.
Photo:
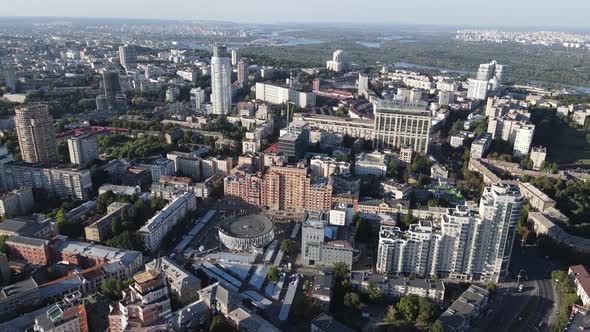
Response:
column 489, row 13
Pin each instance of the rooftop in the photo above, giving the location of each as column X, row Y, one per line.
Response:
column 247, row 226
column 327, row 323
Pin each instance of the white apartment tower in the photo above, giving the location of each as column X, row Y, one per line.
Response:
column 83, row 148
column 220, row 81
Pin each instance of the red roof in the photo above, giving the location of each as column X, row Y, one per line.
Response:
column 273, row 148
column 582, row 277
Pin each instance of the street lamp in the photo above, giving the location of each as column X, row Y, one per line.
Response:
column 519, row 276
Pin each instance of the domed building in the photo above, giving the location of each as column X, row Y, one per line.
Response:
column 243, row 233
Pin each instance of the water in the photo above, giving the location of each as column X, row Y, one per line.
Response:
column 370, row 44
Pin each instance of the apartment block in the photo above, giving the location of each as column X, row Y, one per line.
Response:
column 36, row 134
column 30, row 250
column 16, row 202
column 183, row 284
column 275, row 94
column 83, row 148
column 399, row 124
column 101, row 229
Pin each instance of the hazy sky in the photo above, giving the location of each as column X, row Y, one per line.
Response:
column 498, row 13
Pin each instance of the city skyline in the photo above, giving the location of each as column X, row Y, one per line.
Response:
column 454, row 13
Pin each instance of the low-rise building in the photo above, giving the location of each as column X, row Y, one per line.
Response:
column 581, row 279
column 538, row 155
column 371, row 164
column 398, row 286
column 465, row 309
column 101, row 229
column 16, row 202
column 18, row 297
column 538, row 199
column 315, row 250
column 322, row 288
column 66, row 315
column 481, row 145
column 31, row 250
column 183, row 285
column 458, row 138
column 161, row 167
column 29, row 227
column 327, row 323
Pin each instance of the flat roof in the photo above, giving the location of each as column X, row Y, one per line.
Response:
column 247, row 226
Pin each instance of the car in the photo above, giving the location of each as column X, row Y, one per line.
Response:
column 520, row 287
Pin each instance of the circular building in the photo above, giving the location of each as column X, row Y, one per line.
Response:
column 243, row 233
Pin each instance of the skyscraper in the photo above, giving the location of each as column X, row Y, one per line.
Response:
column 36, row 134
column 363, row 84
column 235, row 57
column 466, row 244
column 400, row 124
column 220, row 81
column 112, row 86
column 127, row 56
column 489, row 78
column 339, row 61
column 243, row 70
column 10, row 78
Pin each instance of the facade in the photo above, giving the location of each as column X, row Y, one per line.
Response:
column 581, row 279
column 466, row 245
column 36, row 134
column 158, row 226
column 275, row 94
column 30, row 250
column 145, row 304
column 16, row 202
column 83, row 149
column 371, row 164
column 477, row 89
column 481, row 145
column 99, row 230
column 398, row 286
column 465, row 309
column 186, row 164
column 112, row 86
column 243, row 66
column 244, row 233
column 68, row 315
column 315, row 250
column 220, row 81
column 61, row 181
column 326, row 166
column 162, row 167
column 538, row 155
column 523, row 139
column 339, row 61
column 182, row 284
column 127, row 56
column 399, row 124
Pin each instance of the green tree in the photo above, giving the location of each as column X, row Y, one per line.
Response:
column 116, row 226
column 273, row 274
column 287, row 246
column 112, row 287
column 219, row 324
column 374, row 292
column 437, row 327
column 426, row 312
column 352, row 300
column 341, row 271
column 60, row 219
column 362, row 231
column 3, row 244
column 409, row 307
column 491, row 286
column 391, row 317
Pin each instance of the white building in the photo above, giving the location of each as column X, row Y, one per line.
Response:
column 371, row 164
column 523, row 139
column 400, row 124
column 220, row 81
column 315, row 250
column 467, row 244
column 481, row 145
column 339, row 61
column 159, row 225
column 477, row 89
column 17, row 202
column 197, row 97
column 83, row 148
column 538, row 155
column 363, row 85
column 341, row 214
column 162, row 167
column 459, row 137
column 275, row 94
column 323, row 167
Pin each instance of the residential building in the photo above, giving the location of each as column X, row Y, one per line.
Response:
column 371, row 164
column 83, row 148
column 356, row 128
column 523, row 139
column 327, row 323
column 406, row 154
column 292, row 189
column 16, row 202
column 10, row 79
column 315, row 250
column 243, row 66
column 399, row 124
column 339, row 61
column 538, row 155
column 197, row 97
column 221, row 81
column 30, row 250
column 235, row 57
column 41, row 228
column 477, row 89
column 398, row 286
column 537, row 199
column 112, row 86
column 326, row 166
column 145, row 304
column 19, row 296
column 61, row 181
column 101, row 229
column 322, row 288
column 341, row 214
column 162, row 167
column 458, row 138
column 127, row 56
column 363, row 85
column 275, row 94
column 467, row 308
column 581, row 279
column 186, row 164
column 183, row 284
column 293, row 143
column 455, row 247
column 159, row 225
column 480, row 146
column 36, row 134
column 66, row 315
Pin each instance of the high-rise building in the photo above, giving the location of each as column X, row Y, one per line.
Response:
column 197, row 97
column 481, row 145
column 315, row 250
column 523, row 139
column 363, row 84
column 492, row 70
column 220, row 81
column 399, row 124
column 10, row 78
column 83, row 148
column 112, row 86
column 467, row 244
column 127, row 56
column 477, row 89
column 36, row 134
column 235, row 57
column 489, row 78
column 145, row 304
column 162, row 167
column 339, row 61
column 243, row 66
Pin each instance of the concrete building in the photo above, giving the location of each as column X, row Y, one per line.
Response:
column 36, row 134
column 327, row 323
column 16, row 202
column 538, row 156
column 537, row 199
column 363, row 85
column 182, row 284
column 162, row 167
column 127, row 56
column 400, row 124
column 40, row 228
column 523, row 139
column 18, row 296
column 30, row 250
column 315, row 250
column 243, row 66
column 145, row 304
column 186, row 164
column 371, row 164
column 457, row 247
column 458, row 138
column 159, row 225
column 481, row 145
column 101, row 229
column 581, row 279
column 61, row 181
column 326, row 166
column 477, row 89
column 83, row 148
column 341, row 214
column 275, row 94
column 66, row 315
column 467, row 308
column 235, row 56
column 339, row 61
column 356, row 128
column 322, row 288
column 398, row 286
column 112, row 86
column 221, row 91
column 406, row 154
column 10, row 79
column 294, row 144
column 197, row 97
